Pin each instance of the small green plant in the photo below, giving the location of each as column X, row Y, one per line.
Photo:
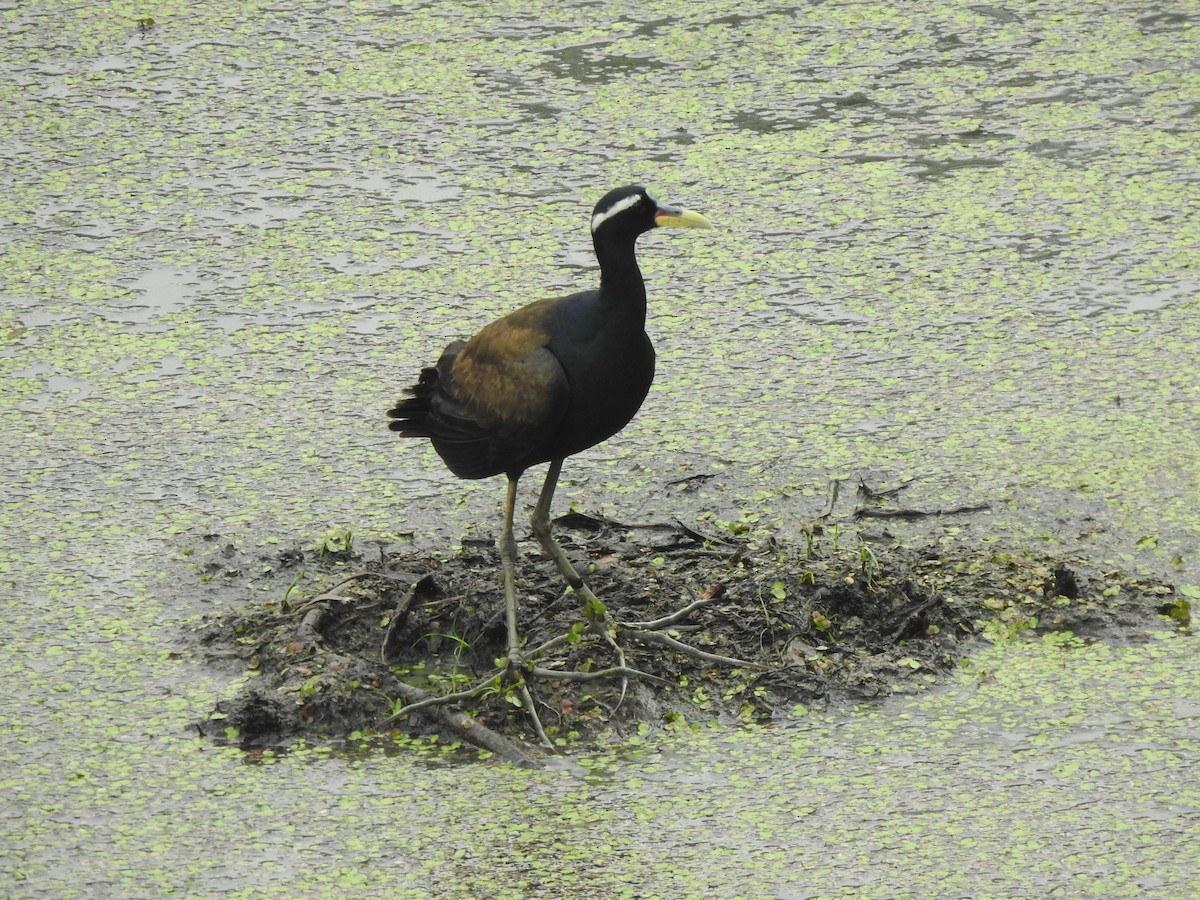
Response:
column 336, row 540
column 742, row 525
column 675, row 720
column 810, row 533
column 594, row 610
column 869, row 566
column 1179, row 612
column 734, row 528
column 457, row 676
column 766, row 612
column 291, row 587
column 394, row 704
column 499, row 688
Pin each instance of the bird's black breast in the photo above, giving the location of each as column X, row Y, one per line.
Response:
column 608, row 362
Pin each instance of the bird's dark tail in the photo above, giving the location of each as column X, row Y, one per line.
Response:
column 413, row 416
column 410, row 416
column 431, row 411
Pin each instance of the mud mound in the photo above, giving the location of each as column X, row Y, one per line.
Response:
column 395, row 644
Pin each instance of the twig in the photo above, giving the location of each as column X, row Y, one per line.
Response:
column 543, row 649
column 328, row 594
column 574, row 675
column 532, row 711
column 678, row 616
column 703, row 476
column 470, row 729
column 427, row 700
column 868, row 492
column 606, row 633
column 697, row 536
column 835, row 488
column 309, row 629
column 700, row 552
column 911, row 617
column 870, row 512
column 399, row 614
column 653, row 637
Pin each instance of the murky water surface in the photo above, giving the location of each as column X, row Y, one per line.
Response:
column 957, row 245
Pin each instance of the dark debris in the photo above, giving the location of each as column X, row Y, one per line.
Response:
column 829, row 628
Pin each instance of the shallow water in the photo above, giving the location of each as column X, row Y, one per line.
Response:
column 956, row 244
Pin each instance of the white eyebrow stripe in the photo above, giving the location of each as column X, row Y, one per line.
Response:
column 619, row 207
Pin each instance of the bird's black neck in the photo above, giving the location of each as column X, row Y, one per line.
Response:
column 620, row 277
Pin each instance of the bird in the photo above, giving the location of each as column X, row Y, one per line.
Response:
column 546, row 381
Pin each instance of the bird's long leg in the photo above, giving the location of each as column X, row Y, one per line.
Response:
column 508, row 560
column 602, row 622
column 541, row 529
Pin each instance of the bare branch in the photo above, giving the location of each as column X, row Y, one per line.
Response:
column 575, row 675
column 653, row 637
column 678, row 616
column 425, row 700
column 467, row 728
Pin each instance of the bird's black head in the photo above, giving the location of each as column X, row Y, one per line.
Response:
column 633, row 210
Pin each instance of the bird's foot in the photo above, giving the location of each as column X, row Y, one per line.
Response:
column 516, row 661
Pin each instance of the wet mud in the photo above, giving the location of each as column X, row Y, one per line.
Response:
column 769, row 630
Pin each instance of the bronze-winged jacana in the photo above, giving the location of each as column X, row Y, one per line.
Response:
column 548, row 380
